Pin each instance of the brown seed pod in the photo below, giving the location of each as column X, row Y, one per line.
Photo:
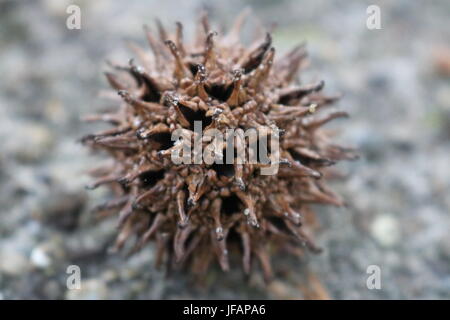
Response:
column 198, row 213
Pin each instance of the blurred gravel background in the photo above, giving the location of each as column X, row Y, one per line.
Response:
column 396, row 86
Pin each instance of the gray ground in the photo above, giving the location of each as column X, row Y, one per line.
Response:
column 395, row 83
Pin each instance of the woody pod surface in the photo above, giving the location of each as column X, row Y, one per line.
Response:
column 198, row 213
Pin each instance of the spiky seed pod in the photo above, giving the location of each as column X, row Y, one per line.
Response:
column 197, row 212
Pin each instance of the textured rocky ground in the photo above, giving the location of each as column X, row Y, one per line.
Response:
column 395, row 83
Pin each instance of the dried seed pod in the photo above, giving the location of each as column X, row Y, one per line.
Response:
column 201, row 212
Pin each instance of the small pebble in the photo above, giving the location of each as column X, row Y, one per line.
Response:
column 39, row 258
column 385, row 230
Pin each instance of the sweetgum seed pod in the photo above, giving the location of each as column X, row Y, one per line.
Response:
column 200, row 213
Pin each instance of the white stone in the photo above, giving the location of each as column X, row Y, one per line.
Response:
column 385, row 230
column 39, row 258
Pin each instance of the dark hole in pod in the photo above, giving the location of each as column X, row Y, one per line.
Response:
column 125, row 188
column 193, row 67
column 286, row 100
column 234, row 243
column 233, row 236
column 136, row 76
column 231, row 204
column 306, row 161
column 164, row 139
column 297, row 156
column 219, row 91
column 227, row 168
column 296, row 95
column 279, row 224
column 224, row 169
column 193, row 116
column 152, row 93
column 150, row 178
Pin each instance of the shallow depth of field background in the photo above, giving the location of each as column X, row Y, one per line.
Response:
column 395, row 84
